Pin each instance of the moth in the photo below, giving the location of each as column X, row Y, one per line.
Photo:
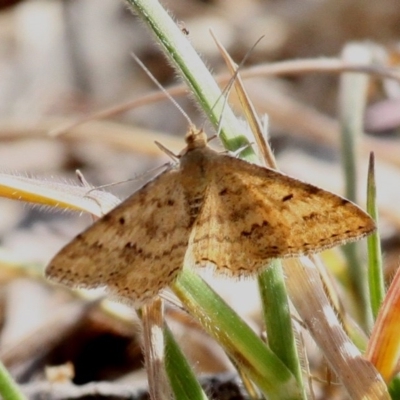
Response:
column 208, row 208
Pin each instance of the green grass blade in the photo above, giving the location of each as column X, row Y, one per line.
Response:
column 278, row 320
column 9, row 390
column 181, row 377
column 353, row 89
column 375, row 265
column 394, row 388
column 189, row 64
column 235, row 336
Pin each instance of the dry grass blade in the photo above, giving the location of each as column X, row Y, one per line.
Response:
column 384, row 346
column 56, row 194
column 248, row 108
column 153, row 341
column 360, row 378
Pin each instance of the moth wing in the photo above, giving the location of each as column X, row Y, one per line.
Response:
column 136, row 249
column 253, row 214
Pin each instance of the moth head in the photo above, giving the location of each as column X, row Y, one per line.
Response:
column 195, row 139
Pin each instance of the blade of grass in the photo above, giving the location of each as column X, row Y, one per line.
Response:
column 278, row 321
column 375, row 265
column 152, row 315
column 9, row 390
column 394, row 388
column 358, row 376
column 182, row 379
column 266, row 154
column 191, row 67
column 352, row 97
column 235, row 336
column 56, row 194
column 384, row 345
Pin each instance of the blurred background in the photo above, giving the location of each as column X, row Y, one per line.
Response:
column 64, row 60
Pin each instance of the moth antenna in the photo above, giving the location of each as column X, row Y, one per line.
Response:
column 136, row 177
column 211, row 138
column 158, row 84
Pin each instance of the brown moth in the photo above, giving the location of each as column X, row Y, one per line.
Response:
column 209, row 208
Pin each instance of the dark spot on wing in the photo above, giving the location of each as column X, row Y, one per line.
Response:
column 106, row 218
column 121, row 220
column 237, row 215
column 142, row 199
column 287, row 197
column 151, row 227
column 223, row 192
column 312, row 189
column 206, row 259
column 311, row 216
column 194, row 207
column 253, row 229
column 173, row 272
